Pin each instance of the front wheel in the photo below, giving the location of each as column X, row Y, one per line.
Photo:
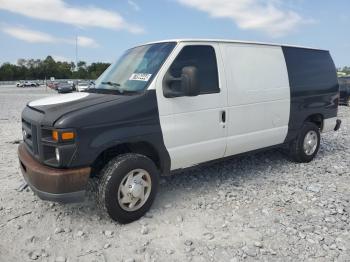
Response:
column 127, row 187
column 305, row 146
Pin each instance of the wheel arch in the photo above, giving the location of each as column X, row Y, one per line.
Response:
column 138, row 147
column 317, row 119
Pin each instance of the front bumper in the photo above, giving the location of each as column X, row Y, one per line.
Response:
column 53, row 184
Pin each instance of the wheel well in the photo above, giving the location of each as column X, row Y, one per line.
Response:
column 142, row 148
column 317, row 119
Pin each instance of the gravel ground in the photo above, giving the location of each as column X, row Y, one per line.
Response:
column 256, row 207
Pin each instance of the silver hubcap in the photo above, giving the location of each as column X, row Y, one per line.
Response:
column 310, row 143
column 134, row 190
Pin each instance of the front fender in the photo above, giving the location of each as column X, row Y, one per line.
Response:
column 153, row 140
column 129, row 119
column 94, row 141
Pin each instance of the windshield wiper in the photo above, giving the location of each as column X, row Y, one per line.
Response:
column 110, row 83
column 110, row 91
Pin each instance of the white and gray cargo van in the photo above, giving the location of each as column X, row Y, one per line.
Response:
column 171, row 105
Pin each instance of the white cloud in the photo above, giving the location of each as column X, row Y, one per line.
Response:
column 32, row 36
column 27, row 35
column 61, row 58
column 82, row 41
column 86, row 42
column 134, row 5
column 262, row 15
column 59, row 11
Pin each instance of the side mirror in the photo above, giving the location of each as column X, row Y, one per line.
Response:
column 188, row 83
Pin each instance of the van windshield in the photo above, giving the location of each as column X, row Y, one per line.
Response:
column 134, row 70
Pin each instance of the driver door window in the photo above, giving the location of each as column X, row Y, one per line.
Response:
column 204, row 59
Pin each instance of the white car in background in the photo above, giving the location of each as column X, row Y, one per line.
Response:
column 27, row 84
column 82, row 85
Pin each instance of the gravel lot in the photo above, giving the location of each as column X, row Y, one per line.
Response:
column 256, row 207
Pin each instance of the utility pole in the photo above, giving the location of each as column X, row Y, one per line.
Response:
column 76, row 52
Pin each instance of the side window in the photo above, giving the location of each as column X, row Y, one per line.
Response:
column 204, row 59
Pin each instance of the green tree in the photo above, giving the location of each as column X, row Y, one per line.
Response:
column 7, row 72
column 96, row 69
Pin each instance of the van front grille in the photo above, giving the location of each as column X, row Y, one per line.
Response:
column 30, row 136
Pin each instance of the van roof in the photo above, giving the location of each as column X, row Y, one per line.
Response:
column 231, row 41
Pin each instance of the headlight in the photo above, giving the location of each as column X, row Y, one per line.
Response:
column 57, row 151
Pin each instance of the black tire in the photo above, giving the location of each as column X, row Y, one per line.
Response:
column 348, row 101
column 296, row 149
column 111, row 178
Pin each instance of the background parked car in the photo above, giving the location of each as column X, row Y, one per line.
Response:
column 53, row 85
column 27, row 84
column 83, row 85
column 344, row 90
column 344, row 95
column 65, row 87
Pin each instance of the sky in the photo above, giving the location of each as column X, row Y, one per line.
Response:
column 105, row 29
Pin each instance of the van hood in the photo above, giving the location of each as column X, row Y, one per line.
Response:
column 55, row 107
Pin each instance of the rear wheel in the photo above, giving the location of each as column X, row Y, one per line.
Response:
column 305, row 146
column 127, row 187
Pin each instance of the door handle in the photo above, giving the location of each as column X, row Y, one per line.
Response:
column 223, row 116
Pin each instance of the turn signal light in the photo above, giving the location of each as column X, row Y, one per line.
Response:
column 55, row 135
column 65, row 136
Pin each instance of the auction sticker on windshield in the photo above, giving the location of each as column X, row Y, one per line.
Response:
column 140, row 77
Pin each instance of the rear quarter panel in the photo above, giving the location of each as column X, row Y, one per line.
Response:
column 314, row 86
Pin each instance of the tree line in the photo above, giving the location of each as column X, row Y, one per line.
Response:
column 33, row 69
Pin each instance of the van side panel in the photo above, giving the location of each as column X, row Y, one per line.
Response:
column 313, row 86
column 258, row 96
